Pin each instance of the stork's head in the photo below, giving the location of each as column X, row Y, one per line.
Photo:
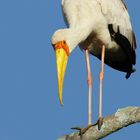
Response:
column 63, row 47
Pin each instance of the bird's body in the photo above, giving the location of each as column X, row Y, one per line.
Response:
column 101, row 28
column 88, row 26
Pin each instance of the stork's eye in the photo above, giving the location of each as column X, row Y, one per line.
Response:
column 64, row 42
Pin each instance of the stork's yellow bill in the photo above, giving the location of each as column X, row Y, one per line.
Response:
column 62, row 53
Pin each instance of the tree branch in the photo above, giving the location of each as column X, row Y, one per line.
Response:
column 122, row 118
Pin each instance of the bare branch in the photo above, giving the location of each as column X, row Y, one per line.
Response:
column 122, row 118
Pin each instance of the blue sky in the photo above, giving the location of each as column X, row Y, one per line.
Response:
column 29, row 105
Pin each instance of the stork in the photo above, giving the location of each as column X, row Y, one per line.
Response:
column 101, row 28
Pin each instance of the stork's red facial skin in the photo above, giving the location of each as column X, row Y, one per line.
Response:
column 63, row 45
column 62, row 53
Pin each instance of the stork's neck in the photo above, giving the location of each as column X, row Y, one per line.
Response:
column 78, row 35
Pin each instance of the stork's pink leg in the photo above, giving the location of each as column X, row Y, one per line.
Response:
column 83, row 130
column 101, row 76
column 100, row 121
column 90, row 88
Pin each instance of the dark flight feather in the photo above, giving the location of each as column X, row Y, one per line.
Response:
column 129, row 51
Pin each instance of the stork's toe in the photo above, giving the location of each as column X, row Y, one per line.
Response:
column 82, row 130
column 100, row 122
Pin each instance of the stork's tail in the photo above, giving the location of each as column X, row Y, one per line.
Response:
column 129, row 73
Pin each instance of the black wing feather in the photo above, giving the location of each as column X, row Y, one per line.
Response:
column 124, row 43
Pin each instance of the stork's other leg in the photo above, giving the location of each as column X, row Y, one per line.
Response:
column 90, row 88
column 84, row 129
column 101, row 76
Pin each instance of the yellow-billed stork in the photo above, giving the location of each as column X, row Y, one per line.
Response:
column 101, row 28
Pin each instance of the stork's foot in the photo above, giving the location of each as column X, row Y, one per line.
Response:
column 100, row 122
column 82, row 130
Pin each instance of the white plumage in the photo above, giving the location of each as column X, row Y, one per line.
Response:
column 93, row 25
column 88, row 22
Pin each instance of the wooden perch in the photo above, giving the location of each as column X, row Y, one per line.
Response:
column 122, row 118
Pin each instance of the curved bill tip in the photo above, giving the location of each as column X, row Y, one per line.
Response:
column 60, row 89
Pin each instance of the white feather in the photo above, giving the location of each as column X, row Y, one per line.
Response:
column 91, row 18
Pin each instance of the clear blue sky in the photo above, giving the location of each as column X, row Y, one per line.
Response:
column 29, row 105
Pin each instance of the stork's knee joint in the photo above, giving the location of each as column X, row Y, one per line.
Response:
column 101, row 76
column 89, row 79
